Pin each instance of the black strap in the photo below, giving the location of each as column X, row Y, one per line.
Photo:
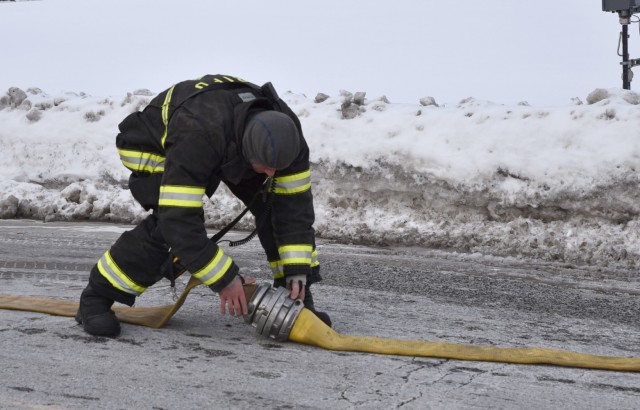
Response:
column 222, row 232
column 178, row 269
column 267, row 192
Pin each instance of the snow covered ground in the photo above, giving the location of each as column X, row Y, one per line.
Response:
column 553, row 183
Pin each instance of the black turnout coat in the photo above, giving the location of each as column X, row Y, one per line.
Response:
column 188, row 140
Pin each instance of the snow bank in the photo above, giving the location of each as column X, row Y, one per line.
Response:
column 557, row 184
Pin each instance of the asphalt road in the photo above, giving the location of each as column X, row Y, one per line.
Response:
column 204, row 360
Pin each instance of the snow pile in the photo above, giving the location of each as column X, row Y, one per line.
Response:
column 555, row 183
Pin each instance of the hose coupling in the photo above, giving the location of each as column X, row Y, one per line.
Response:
column 272, row 312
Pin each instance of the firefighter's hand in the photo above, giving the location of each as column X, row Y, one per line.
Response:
column 296, row 284
column 232, row 297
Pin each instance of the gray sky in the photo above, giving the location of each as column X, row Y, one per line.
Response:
column 541, row 51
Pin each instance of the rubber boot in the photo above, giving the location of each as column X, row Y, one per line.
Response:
column 95, row 314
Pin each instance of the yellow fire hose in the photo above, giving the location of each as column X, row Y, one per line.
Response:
column 154, row 317
column 272, row 314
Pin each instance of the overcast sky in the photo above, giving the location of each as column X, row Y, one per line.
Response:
column 541, row 51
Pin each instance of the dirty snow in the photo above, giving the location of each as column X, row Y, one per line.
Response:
column 552, row 183
column 554, row 179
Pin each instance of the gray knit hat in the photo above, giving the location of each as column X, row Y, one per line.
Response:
column 271, row 138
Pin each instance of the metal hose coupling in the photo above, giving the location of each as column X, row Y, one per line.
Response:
column 272, row 312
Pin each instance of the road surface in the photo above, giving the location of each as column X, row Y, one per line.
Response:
column 204, row 360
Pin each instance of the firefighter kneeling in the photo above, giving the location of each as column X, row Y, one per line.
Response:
column 186, row 142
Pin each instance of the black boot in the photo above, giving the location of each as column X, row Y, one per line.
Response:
column 95, row 314
column 308, row 303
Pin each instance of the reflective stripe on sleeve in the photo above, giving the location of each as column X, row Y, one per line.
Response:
column 215, row 269
column 277, row 269
column 142, row 161
column 293, row 184
column 181, row 196
column 295, row 254
column 118, row 279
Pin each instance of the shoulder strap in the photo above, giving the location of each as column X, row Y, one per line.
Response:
column 201, row 85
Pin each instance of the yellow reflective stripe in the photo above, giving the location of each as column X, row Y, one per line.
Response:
column 218, row 80
column 181, row 196
column 142, row 161
column 165, row 114
column 215, row 269
column 118, row 279
column 293, row 184
column 295, row 254
column 277, row 268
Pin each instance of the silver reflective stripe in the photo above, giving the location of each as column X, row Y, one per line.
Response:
column 181, row 196
column 293, row 184
column 295, row 254
column 277, row 269
column 215, row 269
column 116, row 277
column 142, row 161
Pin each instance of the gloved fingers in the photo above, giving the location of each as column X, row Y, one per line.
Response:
column 297, row 289
column 294, row 287
column 301, row 280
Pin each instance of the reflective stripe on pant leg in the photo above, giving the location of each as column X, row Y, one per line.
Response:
column 110, row 270
column 139, row 254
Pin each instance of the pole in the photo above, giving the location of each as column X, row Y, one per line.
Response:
column 626, row 81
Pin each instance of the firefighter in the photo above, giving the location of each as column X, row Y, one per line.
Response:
column 188, row 140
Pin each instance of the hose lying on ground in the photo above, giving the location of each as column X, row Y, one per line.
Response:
column 278, row 317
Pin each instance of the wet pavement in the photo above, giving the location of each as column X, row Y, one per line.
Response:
column 204, row 360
